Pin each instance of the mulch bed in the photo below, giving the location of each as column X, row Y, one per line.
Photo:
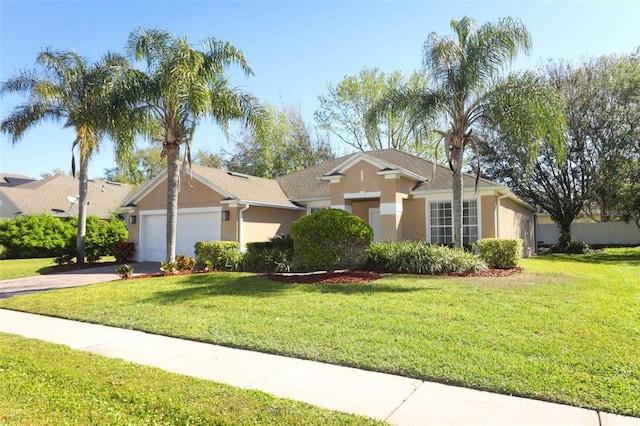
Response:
column 359, row 277
column 339, row 277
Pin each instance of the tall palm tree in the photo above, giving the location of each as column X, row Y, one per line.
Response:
column 466, row 91
column 183, row 86
column 82, row 96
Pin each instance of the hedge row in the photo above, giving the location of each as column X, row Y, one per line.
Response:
column 44, row 235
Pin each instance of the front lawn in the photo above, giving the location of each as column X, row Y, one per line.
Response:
column 46, row 384
column 17, row 268
column 565, row 330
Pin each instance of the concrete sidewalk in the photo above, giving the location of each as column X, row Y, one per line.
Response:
column 398, row 400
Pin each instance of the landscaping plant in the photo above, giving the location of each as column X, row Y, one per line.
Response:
column 274, row 255
column 329, row 240
column 500, row 253
column 125, row 271
column 219, row 255
column 417, row 257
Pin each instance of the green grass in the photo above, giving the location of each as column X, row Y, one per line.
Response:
column 18, row 268
column 565, row 330
column 47, row 384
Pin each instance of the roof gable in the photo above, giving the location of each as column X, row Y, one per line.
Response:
column 232, row 186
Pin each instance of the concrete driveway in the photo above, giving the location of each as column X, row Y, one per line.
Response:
column 100, row 274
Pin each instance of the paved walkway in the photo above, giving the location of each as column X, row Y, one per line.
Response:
column 18, row 286
column 398, row 400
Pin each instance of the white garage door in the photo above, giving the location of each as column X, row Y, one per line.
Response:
column 192, row 227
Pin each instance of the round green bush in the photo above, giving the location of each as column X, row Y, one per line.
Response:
column 329, row 240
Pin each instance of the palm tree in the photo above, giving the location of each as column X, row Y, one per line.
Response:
column 465, row 92
column 181, row 87
column 81, row 96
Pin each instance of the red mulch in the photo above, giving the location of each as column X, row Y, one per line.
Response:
column 348, row 277
column 358, row 277
column 343, row 277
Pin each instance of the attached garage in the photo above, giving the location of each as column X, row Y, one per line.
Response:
column 194, row 224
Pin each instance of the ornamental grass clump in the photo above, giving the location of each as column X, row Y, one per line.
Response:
column 417, row 257
column 274, row 255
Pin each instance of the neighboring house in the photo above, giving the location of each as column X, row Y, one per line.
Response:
column 8, row 179
column 389, row 189
column 57, row 196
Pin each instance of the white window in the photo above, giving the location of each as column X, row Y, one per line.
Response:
column 441, row 222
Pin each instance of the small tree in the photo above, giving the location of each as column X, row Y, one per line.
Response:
column 330, row 240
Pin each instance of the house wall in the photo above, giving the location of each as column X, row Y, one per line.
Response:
column 192, row 193
column 488, row 216
column 262, row 223
column 413, row 219
column 517, row 221
column 361, row 208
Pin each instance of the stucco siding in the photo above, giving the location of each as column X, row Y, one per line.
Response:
column 413, row 220
column 262, row 223
column 516, row 221
column 488, row 216
column 192, row 194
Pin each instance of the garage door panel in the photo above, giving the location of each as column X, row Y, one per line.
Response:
column 194, row 227
column 191, row 228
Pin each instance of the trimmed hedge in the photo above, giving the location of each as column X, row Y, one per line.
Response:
column 40, row 235
column 417, row 257
column 274, row 255
column 219, row 255
column 500, row 253
column 329, row 240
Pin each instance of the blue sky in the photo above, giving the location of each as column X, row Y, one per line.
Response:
column 295, row 48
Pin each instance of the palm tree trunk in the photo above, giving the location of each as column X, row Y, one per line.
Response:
column 172, row 151
column 82, row 207
column 457, row 198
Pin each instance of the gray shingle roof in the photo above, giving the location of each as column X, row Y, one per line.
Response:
column 50, row 196
column 306, row 183
column 244, row 187
column 9, row 179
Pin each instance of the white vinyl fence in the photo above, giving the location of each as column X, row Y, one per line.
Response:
column 593, row 233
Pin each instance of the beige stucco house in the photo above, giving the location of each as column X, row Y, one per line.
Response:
column 392, row 191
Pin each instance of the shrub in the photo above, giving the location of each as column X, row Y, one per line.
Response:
column 64, row 259
column 185, row 263
column 417, row 257
column 577, row 247
column 37, row 236
column 219, row 255
column 274, row 255
column 169, row 268
column 329, row 240
column 125, row 271
column 123, row 251
column 102, row 235
column 500, row 253
column 3, row 252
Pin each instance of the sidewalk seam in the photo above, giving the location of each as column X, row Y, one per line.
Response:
column 422, row 382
